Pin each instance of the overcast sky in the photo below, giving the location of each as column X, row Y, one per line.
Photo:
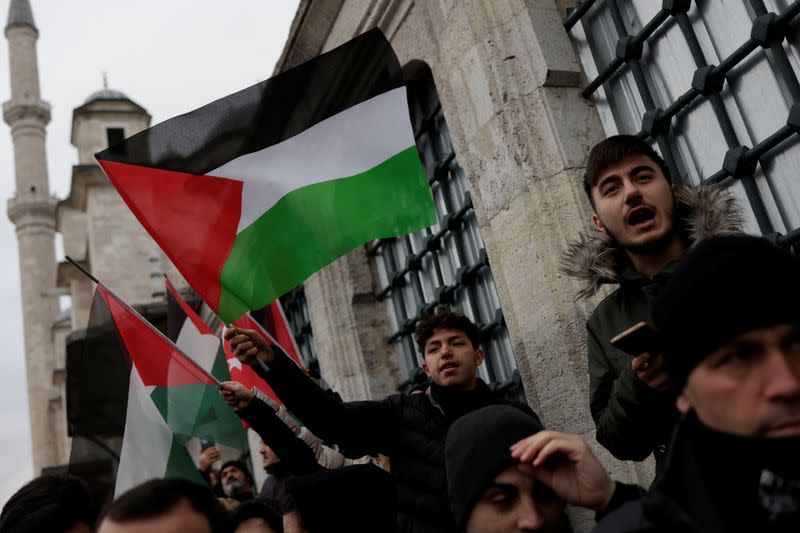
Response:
column 169, row 56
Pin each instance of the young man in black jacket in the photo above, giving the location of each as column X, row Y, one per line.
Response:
column 643, row 225
column 730, row 321
column 410, row 429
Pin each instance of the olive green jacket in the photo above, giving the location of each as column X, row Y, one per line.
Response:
column 632, row 419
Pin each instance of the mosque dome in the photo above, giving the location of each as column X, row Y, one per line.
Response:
column 106, row 94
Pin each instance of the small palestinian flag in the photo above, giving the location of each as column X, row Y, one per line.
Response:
column 280, row 332
column 170, row 399
column 193, row 336
column 196, row 339
column 252, row 193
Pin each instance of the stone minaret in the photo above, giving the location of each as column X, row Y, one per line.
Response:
column 33, row 210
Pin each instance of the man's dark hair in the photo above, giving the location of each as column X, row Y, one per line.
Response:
column 444, row 318
column 356, row 499
column 159, row 496
column 48, row 503
column 259, row 508
column 612, row 151
column 289, row 505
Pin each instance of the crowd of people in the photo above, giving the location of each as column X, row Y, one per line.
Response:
column 713, row 394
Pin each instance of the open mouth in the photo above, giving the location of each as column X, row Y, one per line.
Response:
column 448, row 366
column 640, row 215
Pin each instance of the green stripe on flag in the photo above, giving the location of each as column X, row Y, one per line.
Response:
column 313, row 225
column 220, row 368
column 180, row 464
column 198, row 410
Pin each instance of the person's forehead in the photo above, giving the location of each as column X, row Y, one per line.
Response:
column 514, row 475
column 179, row 519
column 625, row 165
column 761, row 336
column 231, row 469
column 441, row 334
column 255, row 524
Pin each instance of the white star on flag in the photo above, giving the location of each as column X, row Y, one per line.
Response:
column 233, row 362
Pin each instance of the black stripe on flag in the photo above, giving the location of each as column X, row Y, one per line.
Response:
column 266, row 113
column 98, row 373
column 175, row 317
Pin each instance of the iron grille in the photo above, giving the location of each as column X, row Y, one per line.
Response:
column 445, row 264
column 295, row 308
column 713, row 84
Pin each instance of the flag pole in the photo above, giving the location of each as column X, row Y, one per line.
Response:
column 79, row 267
column 272, row 343
column 151, row 326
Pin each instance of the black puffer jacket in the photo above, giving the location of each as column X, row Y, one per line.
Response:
column 410, row 429
column 633, row 420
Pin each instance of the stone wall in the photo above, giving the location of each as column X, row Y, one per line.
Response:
column 509, row 81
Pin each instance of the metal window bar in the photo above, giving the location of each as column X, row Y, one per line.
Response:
column 740, row 162
column 445, row 264
column 295, row 308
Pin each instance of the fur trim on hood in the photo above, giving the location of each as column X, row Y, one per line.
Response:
column 704, row 211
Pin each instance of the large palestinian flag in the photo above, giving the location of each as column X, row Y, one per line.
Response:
column 251, row 194
column 171, row 399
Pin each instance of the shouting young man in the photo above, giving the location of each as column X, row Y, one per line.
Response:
column 643, row 226
column 409, row 429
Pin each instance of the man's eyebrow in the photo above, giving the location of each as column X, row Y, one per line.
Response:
column 610, row 177
column 505, row 487
column 641, row 168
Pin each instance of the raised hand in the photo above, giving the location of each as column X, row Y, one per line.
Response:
column 650, row 370
column 207, row 458
column 235, row 394
column 565, row 463
column 247, row 344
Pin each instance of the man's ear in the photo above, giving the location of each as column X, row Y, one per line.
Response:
column 598, row 223
column 425, row 369
column 683, row 403
column 479, row 357
column 675, row 193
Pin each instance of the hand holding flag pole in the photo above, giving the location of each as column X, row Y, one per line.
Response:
column 234, row 334
column 186, row 362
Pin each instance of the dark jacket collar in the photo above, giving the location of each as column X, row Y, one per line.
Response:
column 721, row 482
column 454, row 403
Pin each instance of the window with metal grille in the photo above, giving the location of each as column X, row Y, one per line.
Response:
column 445, row 264
column 295, row 308
column 713, row 84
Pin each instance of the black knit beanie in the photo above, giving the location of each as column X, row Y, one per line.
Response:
column 478, row 449
column 241, row 466
column 723, row 288
column 356, row 499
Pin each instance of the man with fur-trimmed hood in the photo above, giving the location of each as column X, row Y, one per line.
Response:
column 643, row 226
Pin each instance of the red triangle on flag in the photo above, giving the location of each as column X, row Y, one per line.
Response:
column 158, row 361
column 167, row 204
